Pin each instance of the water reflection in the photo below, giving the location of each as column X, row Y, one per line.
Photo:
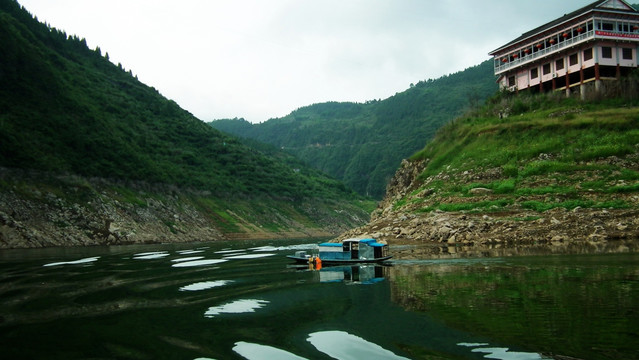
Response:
column 339, row 345
column 461, row 251
column 191, row 258
column 507, row 308
column 205, row 285
column 365, row 274
column 502, row 353
column 74, row 262
column 230, row 251
column 569, row 305
column 248, row 256
column 151, row 255
column 263, row 352
column 236, row 307
column 199, row 262
column 190, row 252
column 344, row 346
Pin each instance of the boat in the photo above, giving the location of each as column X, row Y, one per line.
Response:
column 349, row 251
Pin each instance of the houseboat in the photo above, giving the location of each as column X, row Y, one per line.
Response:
column 348, row 251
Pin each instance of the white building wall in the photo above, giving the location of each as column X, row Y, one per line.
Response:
column 523, row 80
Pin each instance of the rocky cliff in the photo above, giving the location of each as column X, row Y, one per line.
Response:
column 38, row 209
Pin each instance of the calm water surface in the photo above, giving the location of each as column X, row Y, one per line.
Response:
column 245, row 300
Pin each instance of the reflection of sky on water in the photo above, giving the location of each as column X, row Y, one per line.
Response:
column 229, row 251
column 204, row 285
column 236, row 307
column 344, row 346
column 189, row 252
column 336, row 344
column 150, row 255
column 75, row 262
column 502, row 353
column 191, row 258
column 270, row 248
column 248, row 256
column 263, row 352
column 199, row 262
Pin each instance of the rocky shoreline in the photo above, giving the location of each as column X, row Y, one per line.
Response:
column 437, row 233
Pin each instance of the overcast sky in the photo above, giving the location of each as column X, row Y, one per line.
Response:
column 260, row 59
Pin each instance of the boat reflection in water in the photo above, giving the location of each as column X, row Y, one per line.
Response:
column 354, row 274
column 364, row 273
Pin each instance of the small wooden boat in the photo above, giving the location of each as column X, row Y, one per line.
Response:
column 348, row 252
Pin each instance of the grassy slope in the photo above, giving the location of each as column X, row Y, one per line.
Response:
column 556, row 153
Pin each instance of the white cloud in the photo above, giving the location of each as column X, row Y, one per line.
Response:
column 262, row 59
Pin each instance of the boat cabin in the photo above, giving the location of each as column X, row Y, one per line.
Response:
column 353, row 249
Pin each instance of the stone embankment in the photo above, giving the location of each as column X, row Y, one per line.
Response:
column 483, row 233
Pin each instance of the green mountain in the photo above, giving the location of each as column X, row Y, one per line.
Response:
column 66, row 109
column 363, row 144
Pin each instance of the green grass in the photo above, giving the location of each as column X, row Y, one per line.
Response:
column 494, row 205
column 129, row 196
column 553, row 147
column 572, row 204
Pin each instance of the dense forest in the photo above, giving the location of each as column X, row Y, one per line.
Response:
column 363, row 143
column 66, row 108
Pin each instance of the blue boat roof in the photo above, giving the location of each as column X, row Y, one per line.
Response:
column 372, row 242
column 369, row 242
column 376, row 244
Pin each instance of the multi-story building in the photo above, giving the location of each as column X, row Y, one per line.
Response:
column 596, row 43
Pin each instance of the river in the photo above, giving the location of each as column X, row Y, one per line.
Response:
column 245, row 300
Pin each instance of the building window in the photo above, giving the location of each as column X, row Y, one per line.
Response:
column 546, row 69
column 534, row 73
column 559, row 64
column 606, row 52
column 624, row 27
column 626, row 54
column 573, row 60
column 511, row 81
column 588, row 54
column 605, row 26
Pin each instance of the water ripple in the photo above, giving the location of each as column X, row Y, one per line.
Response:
column 344, row 346
column 81, row 261
column 204, row 285
column 236, row 307
column 199, row 263
column 262, row 352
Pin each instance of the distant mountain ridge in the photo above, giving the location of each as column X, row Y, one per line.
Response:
column 363, row 143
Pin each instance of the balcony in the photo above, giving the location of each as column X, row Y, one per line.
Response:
column 581, row 38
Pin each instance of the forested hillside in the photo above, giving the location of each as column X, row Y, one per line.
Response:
column 66, row 110
column 363, row 144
